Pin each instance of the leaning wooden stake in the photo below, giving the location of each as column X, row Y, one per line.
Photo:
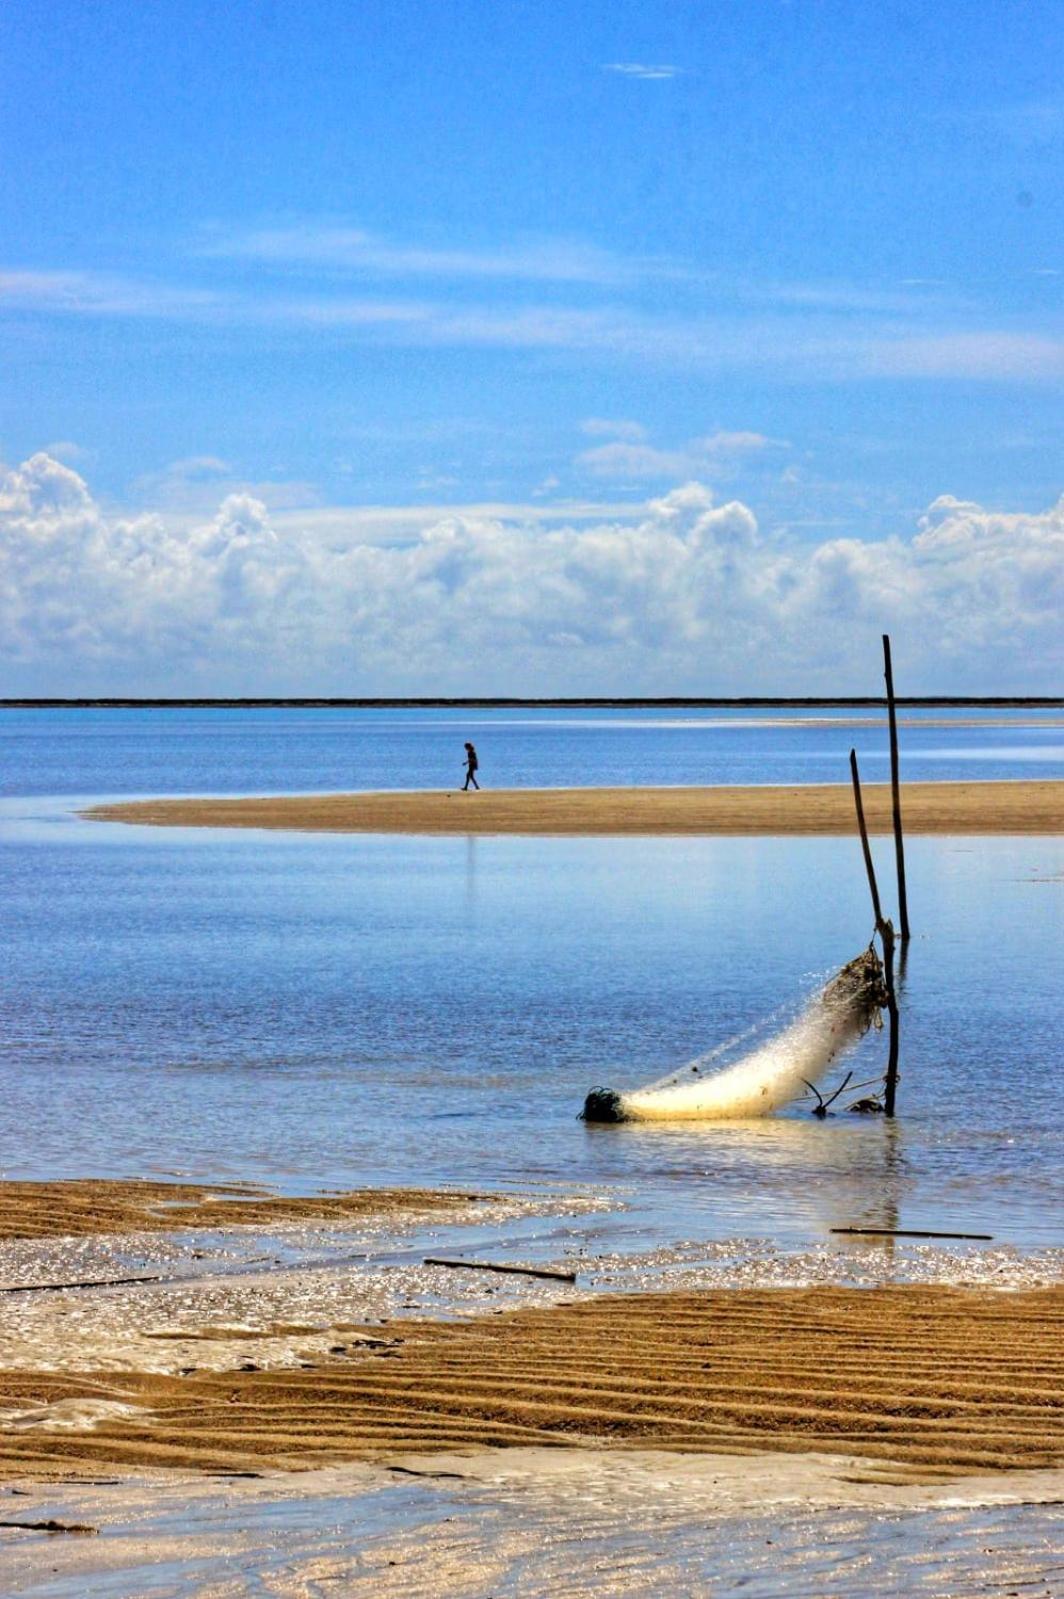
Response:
column 908, row 1232
column 885, row 929
column 489, row 1265
column 895, row 792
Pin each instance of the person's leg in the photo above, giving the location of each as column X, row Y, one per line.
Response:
column 476, row 785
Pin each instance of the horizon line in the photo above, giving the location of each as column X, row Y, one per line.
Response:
column 482, row 702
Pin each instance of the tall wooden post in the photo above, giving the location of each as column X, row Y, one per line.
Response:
column 886, row 933
column 895, row 793
column 885, row 929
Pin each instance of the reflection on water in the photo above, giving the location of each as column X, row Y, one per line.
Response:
column 850, row 1173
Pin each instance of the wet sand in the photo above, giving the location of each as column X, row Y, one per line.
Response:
column 995, row 807
column 84, row 1207
column 927, row 1382
column 543, row 1522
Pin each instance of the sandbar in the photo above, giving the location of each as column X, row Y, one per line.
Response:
column 814, row 808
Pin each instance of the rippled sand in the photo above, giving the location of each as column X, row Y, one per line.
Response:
column 934, row 1381
column 821, row 808
column 93, row 1205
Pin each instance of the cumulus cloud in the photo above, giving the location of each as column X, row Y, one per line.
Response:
column 689, row 597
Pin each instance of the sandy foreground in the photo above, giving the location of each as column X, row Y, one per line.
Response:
column 922, row 1381
column 822, row 808
column 583, row 1440
column 928, row 1381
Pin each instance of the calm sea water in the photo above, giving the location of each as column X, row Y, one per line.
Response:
column 345, row 1010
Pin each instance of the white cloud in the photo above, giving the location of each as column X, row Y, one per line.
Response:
column 642, row 70
column 624, row 460
column 689, row 597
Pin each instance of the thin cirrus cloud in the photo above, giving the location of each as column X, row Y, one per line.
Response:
column 991, row 354
column 343, row 249
column 645, row 71
column 89, row 293
column 339, row 250
column 687, row 596
column 822, row 341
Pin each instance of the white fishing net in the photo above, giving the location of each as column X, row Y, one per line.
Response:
column 767, row 1077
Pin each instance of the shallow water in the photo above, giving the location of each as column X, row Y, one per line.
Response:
column 346, row 1010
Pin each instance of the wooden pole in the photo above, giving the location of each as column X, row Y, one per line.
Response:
column 886, row 933
column 869, row 868
column 885, row 929
column 895, row 793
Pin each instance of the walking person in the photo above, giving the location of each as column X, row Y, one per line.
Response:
column 471, row 767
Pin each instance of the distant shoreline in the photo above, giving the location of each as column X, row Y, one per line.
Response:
column 820, row 808
column 487, row 702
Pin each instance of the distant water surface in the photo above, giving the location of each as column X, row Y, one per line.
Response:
column 87, row 752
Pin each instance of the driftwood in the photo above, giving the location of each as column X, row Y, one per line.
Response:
column 54, row 1526
column 910, row 1232
column 92, row 1282
column 517, row 1271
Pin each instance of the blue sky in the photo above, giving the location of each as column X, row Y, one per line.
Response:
column 552, row 259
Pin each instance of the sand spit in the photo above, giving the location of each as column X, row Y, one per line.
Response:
column 821, row 808
column 84, row 1207
column 935, row 1382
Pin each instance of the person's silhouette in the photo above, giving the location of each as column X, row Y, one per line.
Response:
column 471, row 767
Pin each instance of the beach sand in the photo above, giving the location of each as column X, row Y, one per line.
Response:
column 822, row 808
column 921, row 1382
